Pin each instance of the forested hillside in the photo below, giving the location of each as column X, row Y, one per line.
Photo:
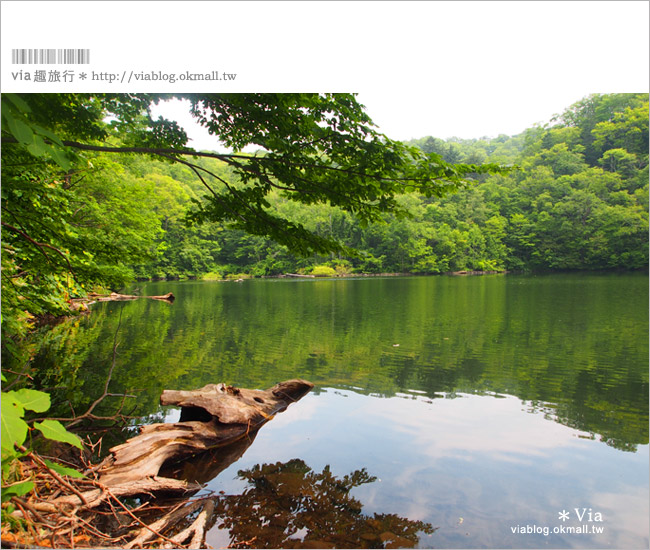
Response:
column 578, row 199
column 96, row 194
column 96, row 191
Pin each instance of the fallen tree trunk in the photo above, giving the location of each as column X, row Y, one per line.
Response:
column 81, row 304
column 115, row 297
column 214, row 416
column 95, row 497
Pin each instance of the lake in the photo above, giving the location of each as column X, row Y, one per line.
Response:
column 496, row 411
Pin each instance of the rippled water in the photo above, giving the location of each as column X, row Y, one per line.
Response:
column 464, row 411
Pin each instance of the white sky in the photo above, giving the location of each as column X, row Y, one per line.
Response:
column 466, row 69
column 417, row 117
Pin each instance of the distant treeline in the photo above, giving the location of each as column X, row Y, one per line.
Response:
column 577, row 198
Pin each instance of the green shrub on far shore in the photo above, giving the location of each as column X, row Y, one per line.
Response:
column 212, row 276
column 238, row 276
column 323, row 271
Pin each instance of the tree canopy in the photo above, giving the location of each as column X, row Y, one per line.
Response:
column 97, row 193
column 73, row 217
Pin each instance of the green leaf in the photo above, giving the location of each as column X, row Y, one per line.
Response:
column 20, row 130
column 18, row 102
column 58, row 155
column 50, row 135
column 17, row 490
column 63, row 470
column 32, row 400
column 14, row 428
column 37, row 147
column 53, row 429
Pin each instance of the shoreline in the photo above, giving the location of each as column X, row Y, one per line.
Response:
column 243, row 276
column 463, row 273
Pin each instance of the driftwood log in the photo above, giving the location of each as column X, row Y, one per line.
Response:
column 218, row 423
column 115, row 297
column 298, row 276
column 81, row 304
column 212, row 417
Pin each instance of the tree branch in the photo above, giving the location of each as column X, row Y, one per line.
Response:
column 225, row 156
column 38, row 245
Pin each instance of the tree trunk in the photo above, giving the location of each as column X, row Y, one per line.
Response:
column 81, row 304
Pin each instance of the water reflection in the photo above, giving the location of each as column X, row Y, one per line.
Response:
column 576, row 344
column 207, row 466
column 473, row 466
column 289, row 505
column 409, row 374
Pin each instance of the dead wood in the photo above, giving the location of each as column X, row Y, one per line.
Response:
column 172, row 518
column 205, row 467
column 95, row 497
column 198, row 528
column 80, row 305
column 232, row 405
column 115, row 297
column 219, row 419
column 213, row 416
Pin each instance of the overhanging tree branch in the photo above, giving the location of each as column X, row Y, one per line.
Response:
column 226, row 156
column 38, row 245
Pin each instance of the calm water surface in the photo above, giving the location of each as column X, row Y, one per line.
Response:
column 449, row 412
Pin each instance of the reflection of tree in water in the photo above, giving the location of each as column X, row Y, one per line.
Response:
column 290, row 506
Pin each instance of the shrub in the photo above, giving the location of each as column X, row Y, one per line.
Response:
column 15, row 430
column 212, row 276
column 238, row 276
column 323, row 271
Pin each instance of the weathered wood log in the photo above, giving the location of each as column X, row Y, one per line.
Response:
column 196, row 530
column 132, row 469
column 232, row 405
column 81, row 304
column 213, row 416
column 115, row 297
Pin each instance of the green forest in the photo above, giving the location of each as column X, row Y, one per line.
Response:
column 570, row 194
column 97, row 195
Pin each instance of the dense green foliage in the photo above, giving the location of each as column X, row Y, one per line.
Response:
column 84, row 203
column 578, row 200
column 90, row 201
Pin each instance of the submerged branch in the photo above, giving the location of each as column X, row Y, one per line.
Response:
column 108, row 378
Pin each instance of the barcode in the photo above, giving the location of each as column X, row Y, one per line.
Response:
column 52, row 56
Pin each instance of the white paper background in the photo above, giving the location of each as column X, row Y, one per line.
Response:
column 467, row 69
